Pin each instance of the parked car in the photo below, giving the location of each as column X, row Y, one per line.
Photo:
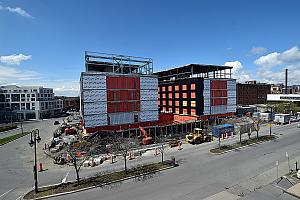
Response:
column 298, row 174
column 56, row 123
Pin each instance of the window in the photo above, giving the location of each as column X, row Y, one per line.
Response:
column 170, row 110
column 184, row 87
column 164, row 96
column 158, row 89
column 177, row 110
column 184, row 103
column 193, row 86
column 193, row 111
column 170, row 95
column 164, row 102
column 32, row 99
column 170, row 88
column 184, row 111
column 163, row 89
column 193, row 94
column 33, row 104
column 184, row 95
column 28, row 95
column 177, row 95
column 176, row 87
column 158, row 102
column 170, row 103
column 32, row 95
column 176, row 103
column 193, row 103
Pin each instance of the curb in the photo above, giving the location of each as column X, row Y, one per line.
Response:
column 284, row 190
column 248, row 145
column 14, row 139
column 10, row 130
column 91, row 187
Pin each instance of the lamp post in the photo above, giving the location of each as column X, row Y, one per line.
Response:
column 35, row 137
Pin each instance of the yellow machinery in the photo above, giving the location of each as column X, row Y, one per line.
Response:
column 198, row 136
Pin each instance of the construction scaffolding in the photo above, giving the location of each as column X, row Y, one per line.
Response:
column 121, row 64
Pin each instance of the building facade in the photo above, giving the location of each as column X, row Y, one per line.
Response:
column 197, row 90
column 28, row 102
column 117, row 90
column 251, row 93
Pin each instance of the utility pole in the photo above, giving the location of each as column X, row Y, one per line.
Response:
column 288, row 159
column 277, row 163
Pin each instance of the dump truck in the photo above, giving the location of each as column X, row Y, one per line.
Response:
column 198, row 136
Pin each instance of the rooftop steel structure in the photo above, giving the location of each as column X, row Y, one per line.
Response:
column 195, row 70
column 121, row 64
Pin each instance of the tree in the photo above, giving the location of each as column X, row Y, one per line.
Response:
column 122, row 146
column 77, row 162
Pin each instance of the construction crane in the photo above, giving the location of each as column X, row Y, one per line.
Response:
column 146, row 139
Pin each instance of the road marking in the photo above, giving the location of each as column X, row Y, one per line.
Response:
column 6, row 192
column 64, row 180
column 19, row 197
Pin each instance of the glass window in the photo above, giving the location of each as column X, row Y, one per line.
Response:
column 32, row 95
column 170, row 110
column 184, row 87
column 184, row 95
column 163, row 89
column 177, row 110
column 184, row 103
column 170, row 103
column 170, row 95
column 176, row 103
column 170, row 88
column 193, row 111
column 193, row 94
column 193, row 103
column 164, row 102
column 177, row 95
column 32, row 99
column 164, row 96
column 193, row 86
column 184, row 111
column 176, row 87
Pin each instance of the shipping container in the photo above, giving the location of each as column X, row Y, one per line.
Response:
column 217, row 131
column 282, row 118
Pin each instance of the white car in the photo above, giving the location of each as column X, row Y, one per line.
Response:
column 298, row 174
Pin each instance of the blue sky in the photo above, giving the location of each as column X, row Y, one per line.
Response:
column 43, row 42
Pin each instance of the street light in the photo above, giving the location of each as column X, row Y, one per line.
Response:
column 35, row 137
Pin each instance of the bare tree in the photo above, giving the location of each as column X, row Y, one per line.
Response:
column 122, row 146
column 78, row 161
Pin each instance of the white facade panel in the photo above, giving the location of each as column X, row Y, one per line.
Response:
column 95, row 120
column 148, row 94
column 94, row 95
column 148, row 116
column 206, row 110
column 148, row 83
column 97, row 81
column 122, row 118
column 95, row 108
column 148, row 105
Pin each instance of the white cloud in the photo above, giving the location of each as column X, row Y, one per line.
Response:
column 19, row 11
column 258, row 50
column 287, row 59
column 14, row 59
column 274, row 59
column 237, row 71
column 11, row 73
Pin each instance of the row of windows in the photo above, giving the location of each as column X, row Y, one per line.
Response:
column 176, row 95
column 177, row 110
column 184, row 103
column 177, row 87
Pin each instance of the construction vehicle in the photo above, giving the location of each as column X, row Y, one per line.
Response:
column 198, row 136
column 145, row 139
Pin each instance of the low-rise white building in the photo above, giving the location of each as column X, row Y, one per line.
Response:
column 284, row 97
column 28, row 102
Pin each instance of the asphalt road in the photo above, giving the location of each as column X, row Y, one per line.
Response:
column 199, row 176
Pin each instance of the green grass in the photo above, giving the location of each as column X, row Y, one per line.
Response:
column 12, row 138
column 7, row 128
column 236, row 145
column 98, row 180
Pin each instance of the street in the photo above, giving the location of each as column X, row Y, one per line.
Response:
column 199, row 176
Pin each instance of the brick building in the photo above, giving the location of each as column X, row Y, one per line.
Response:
column 252, row 92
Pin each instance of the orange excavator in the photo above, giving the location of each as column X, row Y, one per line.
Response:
column 146, row 139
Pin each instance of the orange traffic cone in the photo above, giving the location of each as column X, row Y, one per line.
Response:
column 40, row 167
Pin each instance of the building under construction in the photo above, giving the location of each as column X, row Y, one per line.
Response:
column 197, row 91
column 117, row 90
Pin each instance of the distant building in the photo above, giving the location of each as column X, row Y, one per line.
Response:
column 252, row 92
column 276, row 88
column 284, row 98
column 28, row 102
column 70, row 103
column 202, row 91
